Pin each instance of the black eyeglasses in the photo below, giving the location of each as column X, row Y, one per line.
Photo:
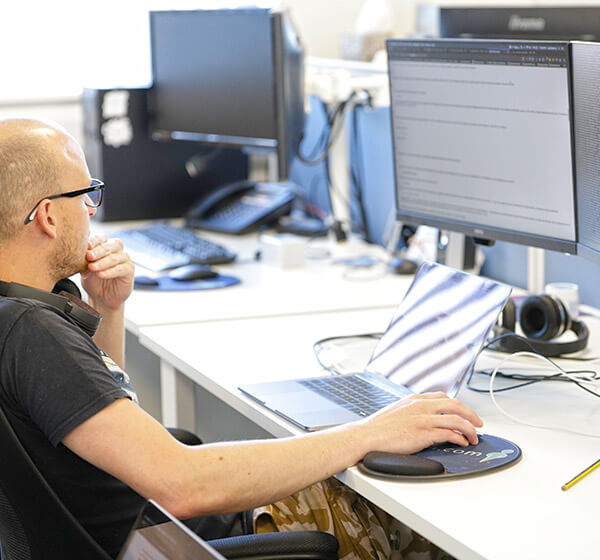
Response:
column 93, row 195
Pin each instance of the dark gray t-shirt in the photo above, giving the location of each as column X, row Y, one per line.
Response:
column 53, row 377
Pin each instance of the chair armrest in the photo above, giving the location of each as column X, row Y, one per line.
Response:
column 290, row 545
column 185, row 436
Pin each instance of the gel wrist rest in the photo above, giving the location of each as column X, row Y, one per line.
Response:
column 394, row 463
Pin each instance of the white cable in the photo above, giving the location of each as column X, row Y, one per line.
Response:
column 518, row 420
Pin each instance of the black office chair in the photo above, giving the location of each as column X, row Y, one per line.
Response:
column 35, row 524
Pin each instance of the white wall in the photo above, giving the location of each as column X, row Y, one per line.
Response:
column 320, row 23
column 68, row 113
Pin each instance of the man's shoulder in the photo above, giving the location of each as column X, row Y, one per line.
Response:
column 18, row 306
column 14, row 307
column 13, row 310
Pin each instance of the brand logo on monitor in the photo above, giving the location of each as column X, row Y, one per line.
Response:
column 518, row 23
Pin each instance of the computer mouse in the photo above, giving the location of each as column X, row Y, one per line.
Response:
column 400, row 265
column 144, row 281
column 190, row 272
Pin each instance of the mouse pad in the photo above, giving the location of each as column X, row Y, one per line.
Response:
column 444, row 460
column 166, row 284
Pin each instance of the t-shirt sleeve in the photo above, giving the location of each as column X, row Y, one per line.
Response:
column 56, row 373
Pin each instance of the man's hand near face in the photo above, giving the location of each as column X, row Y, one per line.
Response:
column 108, row 282
column 109, row 277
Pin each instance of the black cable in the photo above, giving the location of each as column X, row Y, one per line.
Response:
column 507, row 335
column 479, row 390
column 586, row 389
column 529, row 379
column 332, row 338
column 319, row 154
column 527, row 342
column 554, row 378
column 336, row 226
column 579, row 359
column 328, row 135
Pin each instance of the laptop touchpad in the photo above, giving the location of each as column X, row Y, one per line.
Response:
column 299, row 401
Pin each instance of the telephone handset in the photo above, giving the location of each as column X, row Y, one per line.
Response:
column 241, row 207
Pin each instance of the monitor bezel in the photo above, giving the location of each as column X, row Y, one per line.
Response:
column 478, row 231
column 559, row 23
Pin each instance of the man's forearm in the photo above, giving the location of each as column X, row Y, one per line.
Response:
column 222, row 477
column 110, row 336
column 238, row 476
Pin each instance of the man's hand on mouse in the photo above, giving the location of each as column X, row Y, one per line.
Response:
column 419, row 421
column 110, row 272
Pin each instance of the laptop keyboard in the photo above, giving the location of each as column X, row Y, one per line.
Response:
column 352, row 393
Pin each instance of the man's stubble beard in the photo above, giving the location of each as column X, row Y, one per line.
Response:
column 69, row 257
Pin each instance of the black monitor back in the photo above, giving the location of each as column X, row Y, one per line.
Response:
column 231, row 76
column 548, row 23
column 147, row 179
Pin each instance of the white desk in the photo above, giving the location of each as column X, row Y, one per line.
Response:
column 519, row 512
column 267, row 290
column 264, row 291
column 220, row 355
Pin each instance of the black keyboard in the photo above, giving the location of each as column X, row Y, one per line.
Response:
column 161, row 246
column 352, row 392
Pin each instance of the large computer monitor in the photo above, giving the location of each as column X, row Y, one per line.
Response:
column 520, row 22
column 482, row 137
column 233, row 77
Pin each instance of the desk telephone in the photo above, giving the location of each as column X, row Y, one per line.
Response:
column 241, row 207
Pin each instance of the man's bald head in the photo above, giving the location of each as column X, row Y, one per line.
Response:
column 33, row 156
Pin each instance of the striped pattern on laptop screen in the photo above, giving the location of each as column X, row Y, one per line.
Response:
column 438, row 329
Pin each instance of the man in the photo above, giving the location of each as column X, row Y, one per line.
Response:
column 66, row 400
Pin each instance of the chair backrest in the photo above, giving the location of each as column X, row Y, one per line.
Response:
column 34, row 523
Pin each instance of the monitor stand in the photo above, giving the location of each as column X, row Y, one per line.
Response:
column 262, row 166
column 456, row 250
column 536, row 270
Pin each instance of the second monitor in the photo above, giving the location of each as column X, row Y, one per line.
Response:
column 482, row 137
column 232, row 76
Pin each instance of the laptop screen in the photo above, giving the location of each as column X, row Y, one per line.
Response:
column 157, row 535
column 438, row 329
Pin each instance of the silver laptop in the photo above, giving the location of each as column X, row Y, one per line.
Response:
column 157, row 535
column 430, row 345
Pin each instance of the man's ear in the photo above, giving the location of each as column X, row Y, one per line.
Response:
column 46, row 218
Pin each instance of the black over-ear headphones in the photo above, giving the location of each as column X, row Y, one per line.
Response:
column 542, row 318
column 66, row 297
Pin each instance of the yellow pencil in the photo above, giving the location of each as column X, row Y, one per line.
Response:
column 577, row 478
